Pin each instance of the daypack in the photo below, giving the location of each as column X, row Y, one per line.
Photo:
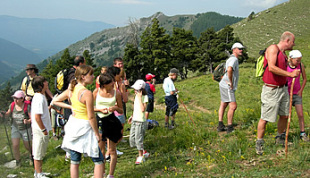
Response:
column 219, row 72
column 26, row 103
column 151, row 124
column 260, row 68
column 63, row 78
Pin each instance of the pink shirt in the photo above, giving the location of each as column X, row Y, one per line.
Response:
column 297, row 86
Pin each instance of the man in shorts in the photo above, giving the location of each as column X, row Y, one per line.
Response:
column 41, row 123
column 274, row 96
column 228, row 86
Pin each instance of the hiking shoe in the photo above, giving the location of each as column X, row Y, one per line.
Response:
column 119, row 152
column 280, row 139
column 140, row 160
column 230, row 129
column 171, row 127
column 259, row 147
column 304, row 137
column 167, row 125
column 146, row 154
column 110, row 176
column 221, row 128
column 41, row 175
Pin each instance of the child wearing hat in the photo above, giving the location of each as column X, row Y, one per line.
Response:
column 138, row 121
column 150, row 90
column 295, row 64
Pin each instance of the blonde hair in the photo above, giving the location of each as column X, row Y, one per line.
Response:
column 80, row 71
column 286, row 35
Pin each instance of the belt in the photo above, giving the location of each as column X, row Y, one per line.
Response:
column 274, row 86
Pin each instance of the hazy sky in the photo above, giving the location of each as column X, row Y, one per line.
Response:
column 117, row 12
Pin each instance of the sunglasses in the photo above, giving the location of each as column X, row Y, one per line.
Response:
column 240, row 48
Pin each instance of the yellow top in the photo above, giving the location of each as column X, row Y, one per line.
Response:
column 23, row 86
column 79, row 109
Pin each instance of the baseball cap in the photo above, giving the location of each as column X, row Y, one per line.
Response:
column 19, row 94
column 138, row 85
column 174, row 71
column 295, row 54
column 149, row 76
column 237, row 45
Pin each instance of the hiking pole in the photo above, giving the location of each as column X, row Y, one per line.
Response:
column 187, row 112
column 30, row 148
column 289, row 117
column 7, row 136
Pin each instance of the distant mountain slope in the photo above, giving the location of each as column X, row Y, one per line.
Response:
column 47, row 36
column 267, row 26
column 105, row 45
column 14, row 58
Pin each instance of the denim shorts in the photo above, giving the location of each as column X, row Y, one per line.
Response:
column 121, row 118
column 296, row 100
column 76, row 157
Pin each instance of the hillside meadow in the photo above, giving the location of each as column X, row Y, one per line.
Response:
column 196, row 150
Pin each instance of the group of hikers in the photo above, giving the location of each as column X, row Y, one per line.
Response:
column 279, row 74
column 95, row 119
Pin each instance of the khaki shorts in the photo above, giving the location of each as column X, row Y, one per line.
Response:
column 39, row 144
column 275, row 101
column 15, row 133
column 227, row 95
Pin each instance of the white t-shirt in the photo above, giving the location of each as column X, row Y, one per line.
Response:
column 138, row 115
column 39, row 106
column 168, row 86
column 232, row 61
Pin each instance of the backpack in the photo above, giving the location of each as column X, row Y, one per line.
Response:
column 60, row 121
column 260, row 68
column 63, row 78
column 219, row 72
column 26, row 103
column 151, row 124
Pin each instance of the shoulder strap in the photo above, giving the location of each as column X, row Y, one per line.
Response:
column 12, row 106
column 26, row 103
column 27, row 84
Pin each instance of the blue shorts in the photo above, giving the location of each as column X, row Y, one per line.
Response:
column 76, row 157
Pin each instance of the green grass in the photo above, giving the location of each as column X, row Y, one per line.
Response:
column 199, row 151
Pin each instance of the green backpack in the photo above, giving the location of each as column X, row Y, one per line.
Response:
column 219, row 72
column 260, row 68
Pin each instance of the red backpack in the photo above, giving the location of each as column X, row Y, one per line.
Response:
column 26, row 103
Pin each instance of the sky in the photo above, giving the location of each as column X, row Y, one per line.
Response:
column 118, row 12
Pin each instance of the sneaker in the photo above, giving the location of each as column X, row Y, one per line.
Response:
column 140, row 160
column 119, row 152
column 259, row 147
column 304, row 137
column 280, row 139
column 107, row 158
column 41, row 175
column 230, row 128
column 221, row 128
column 146, row 154
column 171, row 127
column 110, row 176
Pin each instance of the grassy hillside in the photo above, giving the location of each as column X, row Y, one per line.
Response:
column 267, row 26
column 199, row 150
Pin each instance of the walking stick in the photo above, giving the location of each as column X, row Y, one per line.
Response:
column 289, row 116
column 7, row 136
column 30, row 148
column 187, row 112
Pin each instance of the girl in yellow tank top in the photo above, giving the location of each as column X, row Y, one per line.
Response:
column 82, row 112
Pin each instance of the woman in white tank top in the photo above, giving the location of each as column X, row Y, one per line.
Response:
column 108, row 101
